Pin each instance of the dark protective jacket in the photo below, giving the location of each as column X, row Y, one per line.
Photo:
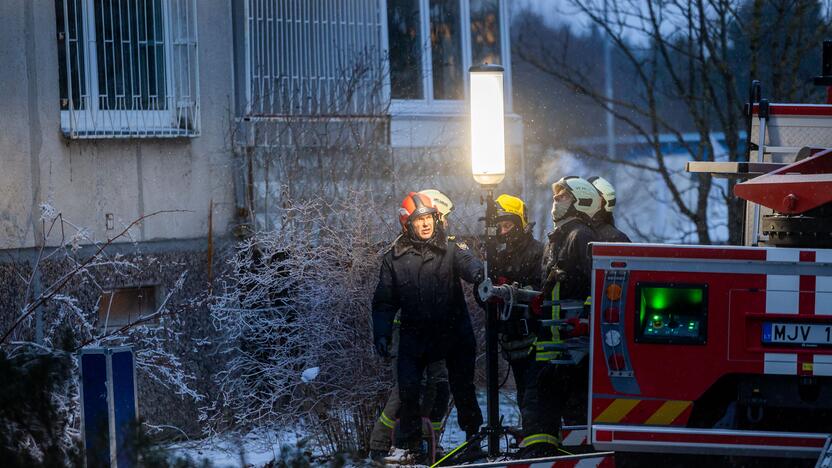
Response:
column 519, row 262
column 568, row 250
column 605, row 231
column 422, row 279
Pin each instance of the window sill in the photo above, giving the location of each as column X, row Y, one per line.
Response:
column 434, row 108
column 90, row 125
column 128, row 134
column 406, row 108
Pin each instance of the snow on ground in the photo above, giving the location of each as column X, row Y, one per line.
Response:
column 259, row 447
column 508, row 409
column 256, row 448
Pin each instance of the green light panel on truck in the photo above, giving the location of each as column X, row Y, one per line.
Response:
column 669, row 313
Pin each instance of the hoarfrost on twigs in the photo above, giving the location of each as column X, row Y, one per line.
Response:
column 48, row 212
column 295, row 310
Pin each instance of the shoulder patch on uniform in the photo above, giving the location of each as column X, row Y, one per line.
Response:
column 462, row 245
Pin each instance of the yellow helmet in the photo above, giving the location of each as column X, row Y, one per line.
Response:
column 511, row 207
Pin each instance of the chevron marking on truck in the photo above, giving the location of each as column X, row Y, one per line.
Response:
column 652, row 412
column 596, row 462
column 572, row 438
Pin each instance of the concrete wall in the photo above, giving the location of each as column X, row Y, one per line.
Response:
column 86, row 180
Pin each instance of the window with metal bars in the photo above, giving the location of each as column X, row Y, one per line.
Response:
column 128, row 68
column 314, row 58
column 432, row 43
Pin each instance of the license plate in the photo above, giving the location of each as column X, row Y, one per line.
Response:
column 797, row 333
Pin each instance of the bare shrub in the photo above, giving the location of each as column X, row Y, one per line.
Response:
column 58, row 314
column 296, row 312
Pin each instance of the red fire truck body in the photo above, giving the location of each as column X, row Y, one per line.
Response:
column 692, row 346
column 722, row 350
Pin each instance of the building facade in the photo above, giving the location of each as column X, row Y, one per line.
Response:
column 200, row 118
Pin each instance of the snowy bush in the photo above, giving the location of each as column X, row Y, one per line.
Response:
column 296, row 314
column 58, row 314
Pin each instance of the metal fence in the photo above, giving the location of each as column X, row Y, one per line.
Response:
column 314, row 58
column 128, row 68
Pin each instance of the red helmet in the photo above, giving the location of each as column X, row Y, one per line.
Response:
column 415, row 204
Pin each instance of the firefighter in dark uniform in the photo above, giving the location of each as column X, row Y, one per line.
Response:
column 436, row 393
column 420, row 278
column 518, row 260
column 566, row 275
column 603, row 222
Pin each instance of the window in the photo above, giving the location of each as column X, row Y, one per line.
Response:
column 671, row 313
column 127, row 68
column 446, row 49
column 431, row 44
column 125, row 306
column 315, row 57
column 485, row 32
column 404, row 27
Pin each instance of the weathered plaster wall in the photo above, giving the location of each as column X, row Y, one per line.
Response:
column 129, row 178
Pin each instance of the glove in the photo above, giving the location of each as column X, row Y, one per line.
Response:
column 517, row 349
column 382, row 344
column 575, row 327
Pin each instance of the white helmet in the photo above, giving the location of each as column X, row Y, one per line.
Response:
column 440, row 201
column 586, row 199
column 606, row 190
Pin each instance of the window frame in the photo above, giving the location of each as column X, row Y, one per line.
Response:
column 89, row 120
column 104, row 324
column 428, row 104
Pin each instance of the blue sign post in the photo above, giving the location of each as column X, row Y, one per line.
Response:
column 109, row 406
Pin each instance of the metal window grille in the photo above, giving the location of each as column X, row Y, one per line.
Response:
column 314, row 58
column 128, row 68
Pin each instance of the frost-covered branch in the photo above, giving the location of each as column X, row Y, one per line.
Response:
column 296, row 314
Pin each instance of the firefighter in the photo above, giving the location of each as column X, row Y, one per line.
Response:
column 436, row 394
column 603, row 222
column 420, row 277
column 566, row 271
column 518, row 260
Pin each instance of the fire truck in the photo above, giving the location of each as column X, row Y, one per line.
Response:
column 722, row 350
column 727, row 349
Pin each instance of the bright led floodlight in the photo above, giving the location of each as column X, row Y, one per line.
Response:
column 488, row 158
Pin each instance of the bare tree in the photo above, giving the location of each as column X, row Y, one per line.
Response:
column 692, row 57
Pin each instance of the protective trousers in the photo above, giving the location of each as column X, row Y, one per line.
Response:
column 434, row 404
column 538, row 397
column 417, row 350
